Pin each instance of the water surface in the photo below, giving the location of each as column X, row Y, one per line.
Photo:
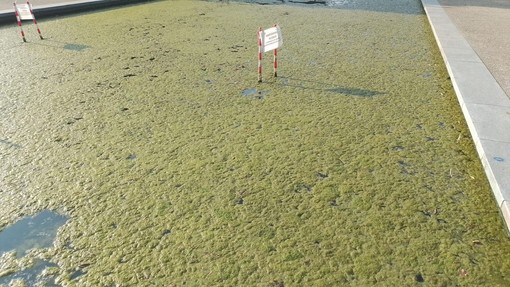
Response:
column 37, row 231
column 355, row 169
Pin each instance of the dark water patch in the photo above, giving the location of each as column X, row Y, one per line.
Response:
column 402, row 163
column 9, row 144
column 75, row 47
column 322, row 175
column 397, row 148
column 302, row 187
column 458, row 197
column 309, row 2
column 386, row 6
column 277, row 283
column 256, row 94
column 76, row 274
column 419, row 278
column 73, row 120
column 441, row 221
column 426, row 75
column 429, row 213
column 405, row 168
column 33, row 276
column 38, row 231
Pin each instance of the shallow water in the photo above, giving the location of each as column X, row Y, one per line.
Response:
column 33, row 275
column 29, row 234
column 355, row 169
column 38, row 231
column 393, row 6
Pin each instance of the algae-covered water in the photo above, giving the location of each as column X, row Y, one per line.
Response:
column 146, row 126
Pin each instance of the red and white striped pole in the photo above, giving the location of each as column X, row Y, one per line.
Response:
column 275, row 61
column 259, row 36
column 19, row 22
column 35, row 21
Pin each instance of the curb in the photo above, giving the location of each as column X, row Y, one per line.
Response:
column 46, row 11
column 485, row 105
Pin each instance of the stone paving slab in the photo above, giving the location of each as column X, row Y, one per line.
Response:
column 475, row 81
column 491, row 122
column 484, row 103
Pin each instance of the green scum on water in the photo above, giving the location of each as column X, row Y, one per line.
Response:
column 353, row 168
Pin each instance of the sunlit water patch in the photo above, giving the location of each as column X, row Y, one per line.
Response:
column 37, row 231
column 36, row 275
column 256, row 94
column 336, row 3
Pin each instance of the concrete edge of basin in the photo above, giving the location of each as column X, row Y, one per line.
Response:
column 473, row 85
column 505, row 210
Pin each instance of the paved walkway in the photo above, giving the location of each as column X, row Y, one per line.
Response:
column 485, row 24
column 471, row 37
column 466, row 47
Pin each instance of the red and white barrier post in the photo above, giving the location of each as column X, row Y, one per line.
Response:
column 269, row 39
column 275, row 62
column 24, row 12
column 18, row 19
column 35, row 21
column 259, row 36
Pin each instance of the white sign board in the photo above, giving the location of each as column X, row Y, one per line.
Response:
column 271, row 39
column 24, row 12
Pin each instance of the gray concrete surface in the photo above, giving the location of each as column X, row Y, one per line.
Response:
column 484, row 103
column 51, row 8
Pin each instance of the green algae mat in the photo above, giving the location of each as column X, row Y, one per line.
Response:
column 146, row 128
